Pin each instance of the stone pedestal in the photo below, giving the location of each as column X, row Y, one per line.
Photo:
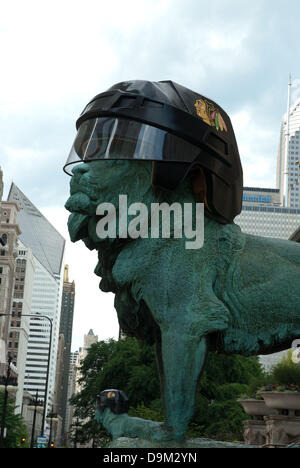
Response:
column 255, row 432
column 281, row 430
column 126, row 442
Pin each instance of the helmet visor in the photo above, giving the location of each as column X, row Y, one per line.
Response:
column 120, row 138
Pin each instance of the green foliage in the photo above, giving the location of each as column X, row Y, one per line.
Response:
column 15, row 425
column 283, row 376
column 225, row 420
column 141, row 411
column 218, row 415
column 127, row 365
column 286, row 371
column 230, row 391
column 87, row 431
column 130, row 365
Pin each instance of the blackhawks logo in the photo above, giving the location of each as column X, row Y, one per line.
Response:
column 209, row 114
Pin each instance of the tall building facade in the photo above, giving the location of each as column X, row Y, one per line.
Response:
column 263, row 215
column 293, row 156
column 19, row 320
column 47, row 247
column 74, row 376
column 71, row 392
column 89, row 339
column 65, row 336
column 9, row 228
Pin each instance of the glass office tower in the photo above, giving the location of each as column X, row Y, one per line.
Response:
column 293, row 156
column 47, row 247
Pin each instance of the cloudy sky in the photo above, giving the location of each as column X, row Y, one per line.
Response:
column 57, row 55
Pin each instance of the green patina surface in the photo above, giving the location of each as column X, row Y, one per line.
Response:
column 237, row 294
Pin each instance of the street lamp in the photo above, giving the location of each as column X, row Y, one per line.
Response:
column 51, row 417
column 48, row 363
column 77, row 425
column 35, row 404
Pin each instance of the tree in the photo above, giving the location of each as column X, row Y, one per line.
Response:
column 130, row 365
column 286, row 371
column 225, row 378
column 15, row 426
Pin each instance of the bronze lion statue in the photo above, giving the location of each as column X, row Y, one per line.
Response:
column 238, row 293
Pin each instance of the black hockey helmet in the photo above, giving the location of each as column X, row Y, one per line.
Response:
column 174, row 127
column 115, row 400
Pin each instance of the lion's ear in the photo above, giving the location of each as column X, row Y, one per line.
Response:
column 199, row 185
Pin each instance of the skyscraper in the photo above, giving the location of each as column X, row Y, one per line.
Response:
column 293, row 199
column 71, row 391
column 47, row 247
column 19, row 320
column 8, row 252
column 263, row 215
column 65, row 334
column 88, row 341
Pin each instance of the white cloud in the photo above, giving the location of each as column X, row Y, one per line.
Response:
column 257, row 147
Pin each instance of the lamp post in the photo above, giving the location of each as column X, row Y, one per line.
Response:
column 48, row 363
column 77, row 425
column 51, row 417
column 36, row 405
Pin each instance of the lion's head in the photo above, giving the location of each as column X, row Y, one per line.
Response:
column 123, row 262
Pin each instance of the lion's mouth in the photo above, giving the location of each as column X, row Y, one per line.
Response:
column 81, row 226
column 78, row 226
column 81, row 208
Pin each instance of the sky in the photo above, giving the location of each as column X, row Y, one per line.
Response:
column 57, row 55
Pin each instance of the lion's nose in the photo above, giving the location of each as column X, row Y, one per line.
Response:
column 80, row 169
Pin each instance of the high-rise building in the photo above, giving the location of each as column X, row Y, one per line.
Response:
column 88, row 340
column 47, row 247
column 263, row 215
column 293, row 199
column 71, row 391
column 75, row 375
column 19, row 320
column 9, row 229
column 65, row 336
